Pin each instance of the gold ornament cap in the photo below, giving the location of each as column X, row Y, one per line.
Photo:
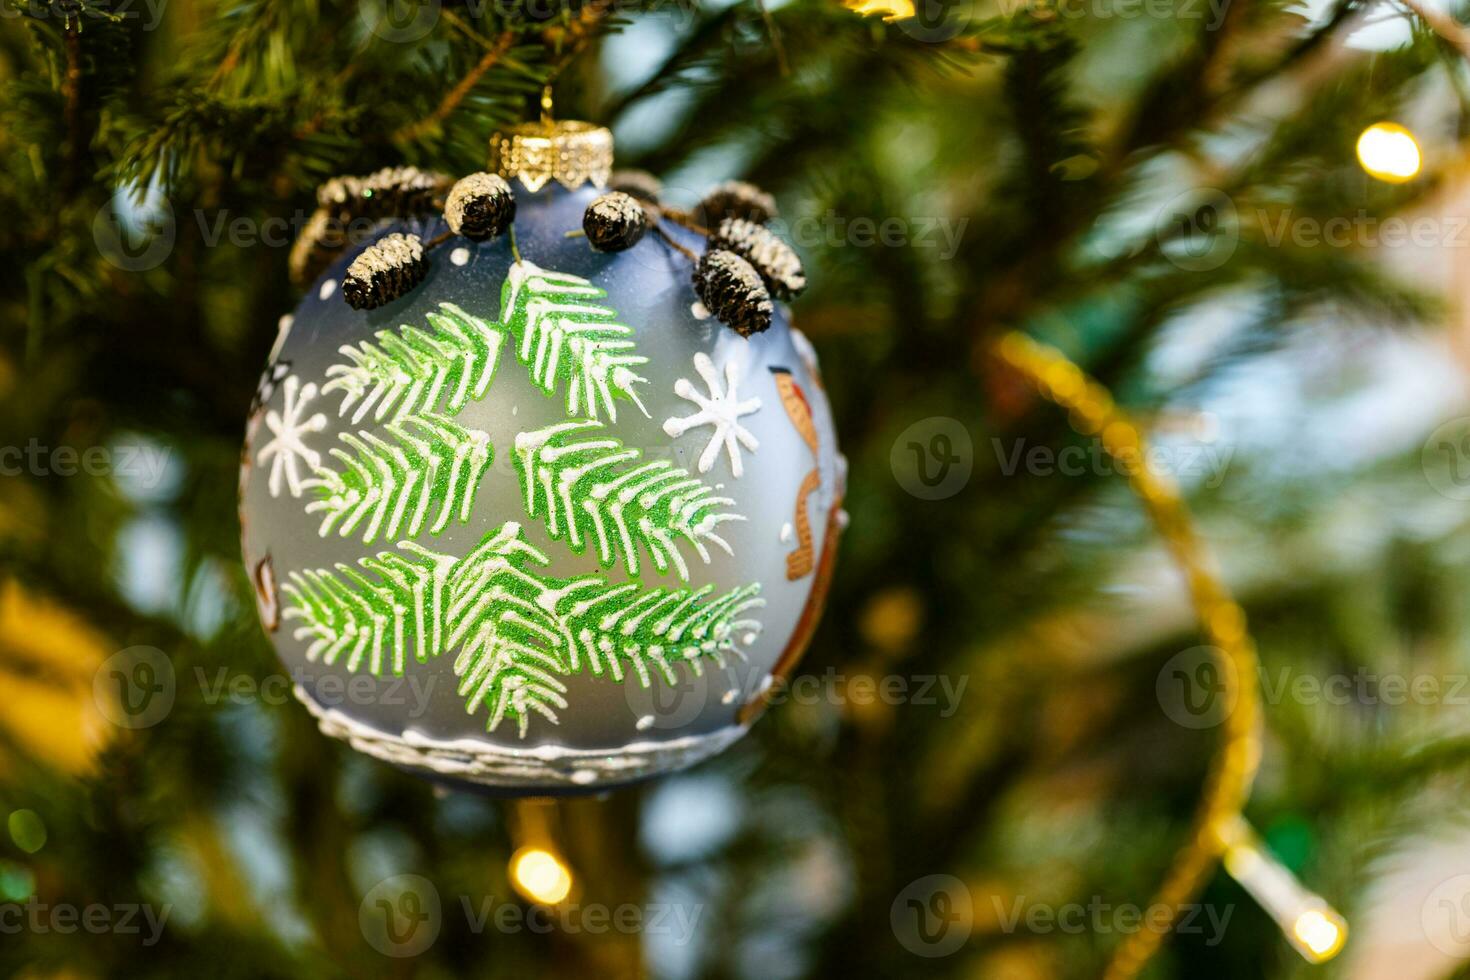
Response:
column 567, row 151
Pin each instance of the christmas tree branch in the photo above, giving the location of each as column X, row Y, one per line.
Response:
column 1450, row 30
column 71, row 89
column 456, row 95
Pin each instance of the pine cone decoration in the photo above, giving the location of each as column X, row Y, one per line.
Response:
column 731, row 289
column 638, row 183
column 393, row 192
column 386, row 270
column 736, row 199
column 480, row 206
column 777, row 264
column 614, row 222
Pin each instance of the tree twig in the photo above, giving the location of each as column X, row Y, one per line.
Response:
column 669, row 240
column 456, row 95
column 71, row 89
column 1449, row 29
column 775, row 33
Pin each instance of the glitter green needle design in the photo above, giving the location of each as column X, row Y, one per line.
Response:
column 425, row 474
column 587, row 486
column 565, row 336
column 518, row 632
column 416, row 371
column 373, row 622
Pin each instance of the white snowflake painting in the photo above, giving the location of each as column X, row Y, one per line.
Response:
column 288, row 448
column 721, row 409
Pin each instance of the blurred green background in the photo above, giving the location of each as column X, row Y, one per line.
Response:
column 1167, row 190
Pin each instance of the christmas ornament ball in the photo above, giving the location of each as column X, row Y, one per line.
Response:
column 541, row 522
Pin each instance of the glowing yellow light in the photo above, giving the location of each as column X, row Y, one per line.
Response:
column 1313, row 927
column 1390, row 153
column 1321, row 933
column 887, row 9
column 540, row 876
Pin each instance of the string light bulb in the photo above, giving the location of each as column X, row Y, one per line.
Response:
column 1321, row 932
column 1390, row 153
column 1314, row 928
column 540, row 875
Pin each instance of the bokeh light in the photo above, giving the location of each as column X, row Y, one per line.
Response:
column 1320, row 933
column 540, row 876
column 1389, row 153
column 28, row 830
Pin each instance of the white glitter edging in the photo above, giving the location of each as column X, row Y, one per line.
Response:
column 544, row 765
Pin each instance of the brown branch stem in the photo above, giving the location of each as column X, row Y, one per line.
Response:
column 681, row 218
column 669, row 240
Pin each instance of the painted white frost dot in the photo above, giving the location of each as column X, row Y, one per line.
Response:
column 460, row 256
column 728, row 697
column 645, row 723
column 584, row 777
column 328, row 288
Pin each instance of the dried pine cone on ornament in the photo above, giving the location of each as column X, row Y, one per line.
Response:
column 731, row 289
column 386, row 270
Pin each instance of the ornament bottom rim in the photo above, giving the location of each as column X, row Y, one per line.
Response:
column 542, row 766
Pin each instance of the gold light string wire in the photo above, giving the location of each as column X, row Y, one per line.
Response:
column 1218, row 832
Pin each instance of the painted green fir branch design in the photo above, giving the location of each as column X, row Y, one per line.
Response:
column 427, row 470
column 588, row 486
column 427, row 473
column 567, row 337
column 517, row 631
column 349, row 617
column 416, row 371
